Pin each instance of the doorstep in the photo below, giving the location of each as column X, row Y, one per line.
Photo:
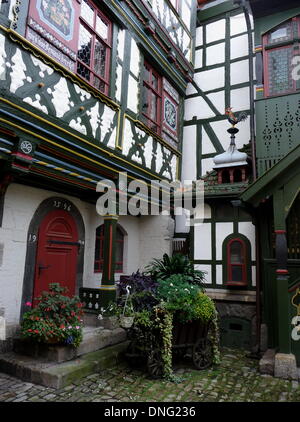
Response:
column 58, row 366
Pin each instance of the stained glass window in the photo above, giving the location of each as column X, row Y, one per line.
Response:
column 280, row 71
column 279, row 50
column 94, row 46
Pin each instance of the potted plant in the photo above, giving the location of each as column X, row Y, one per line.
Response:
column 56, row 319
column 109, row 316
column 160, row 269
column 126, row 318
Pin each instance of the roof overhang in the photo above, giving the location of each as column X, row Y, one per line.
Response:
column 275, row 178
column 262, row 8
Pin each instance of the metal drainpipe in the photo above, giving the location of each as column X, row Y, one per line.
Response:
column 244, row 4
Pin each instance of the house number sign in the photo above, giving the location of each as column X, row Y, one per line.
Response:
column 62, row 205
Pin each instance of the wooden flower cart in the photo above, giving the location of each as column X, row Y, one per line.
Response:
column 191, row 338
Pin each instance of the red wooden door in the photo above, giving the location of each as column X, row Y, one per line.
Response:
column 57, row 250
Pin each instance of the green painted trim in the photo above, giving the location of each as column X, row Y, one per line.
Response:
column 272, row 179
column 198, row 150
column 213, row 11
column 213, row 249
column 227, row 62
column 266, row 23
column 113, row 62
column 284, row 317
column 248, row 258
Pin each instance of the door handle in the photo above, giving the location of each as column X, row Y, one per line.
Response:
column 42, row 267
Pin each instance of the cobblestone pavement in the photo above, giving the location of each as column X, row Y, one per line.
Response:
column 236, row 379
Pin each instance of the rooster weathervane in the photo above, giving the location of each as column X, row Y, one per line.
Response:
column 235, row 119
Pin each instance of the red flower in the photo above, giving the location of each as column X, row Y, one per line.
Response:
column 30, row 330
column 36, row 331
column 62, row 326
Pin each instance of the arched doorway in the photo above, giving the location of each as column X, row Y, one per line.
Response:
column 56, row 220
column 57, row 252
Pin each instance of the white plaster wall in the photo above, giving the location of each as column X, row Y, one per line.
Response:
column 206, row 165
column 238, row 24
column 222, row 231
column 189, row 153
column 240, row 99
column 198, row 107
column 207, row 270
column 215, row 31
column 156, row 233
column 199, row 37
column 239, row 72
column 218, row 100
column 215, row 54
column 248, row 229
column 253, row 268
column 202, row 241
column 219, row 274
column 210, row 79
column 207, row 146
column 147, row 237
column 239, row 47
column 198, row 58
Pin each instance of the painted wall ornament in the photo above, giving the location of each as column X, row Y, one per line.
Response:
column 171, row 114
column 59, row 15
column 26, row 147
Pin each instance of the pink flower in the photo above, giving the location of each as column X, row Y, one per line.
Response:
column 28, row 304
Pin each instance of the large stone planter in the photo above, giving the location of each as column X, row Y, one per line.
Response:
column 110, row 323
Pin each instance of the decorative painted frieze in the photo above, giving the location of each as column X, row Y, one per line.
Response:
column 144, row 149
column 39, row 85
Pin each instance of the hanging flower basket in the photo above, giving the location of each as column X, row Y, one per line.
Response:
column 126, row 321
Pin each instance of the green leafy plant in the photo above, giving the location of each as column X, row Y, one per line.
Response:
column 161, row 269
column 56, row 317
column 188, row 301
column 112, row 309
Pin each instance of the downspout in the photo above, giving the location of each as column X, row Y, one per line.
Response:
column 244, row 4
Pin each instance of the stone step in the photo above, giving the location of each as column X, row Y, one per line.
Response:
column 94, row 338
column 267, row 362
column 58, row 375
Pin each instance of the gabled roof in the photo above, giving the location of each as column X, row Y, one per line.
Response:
column 213, row 188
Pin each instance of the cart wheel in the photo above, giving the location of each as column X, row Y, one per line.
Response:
column 155, row 364
column 202, row 354
column 132, row 355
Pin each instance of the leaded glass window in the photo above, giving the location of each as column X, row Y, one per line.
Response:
column 280, row 71
column 94, row 46
column 280, row 46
